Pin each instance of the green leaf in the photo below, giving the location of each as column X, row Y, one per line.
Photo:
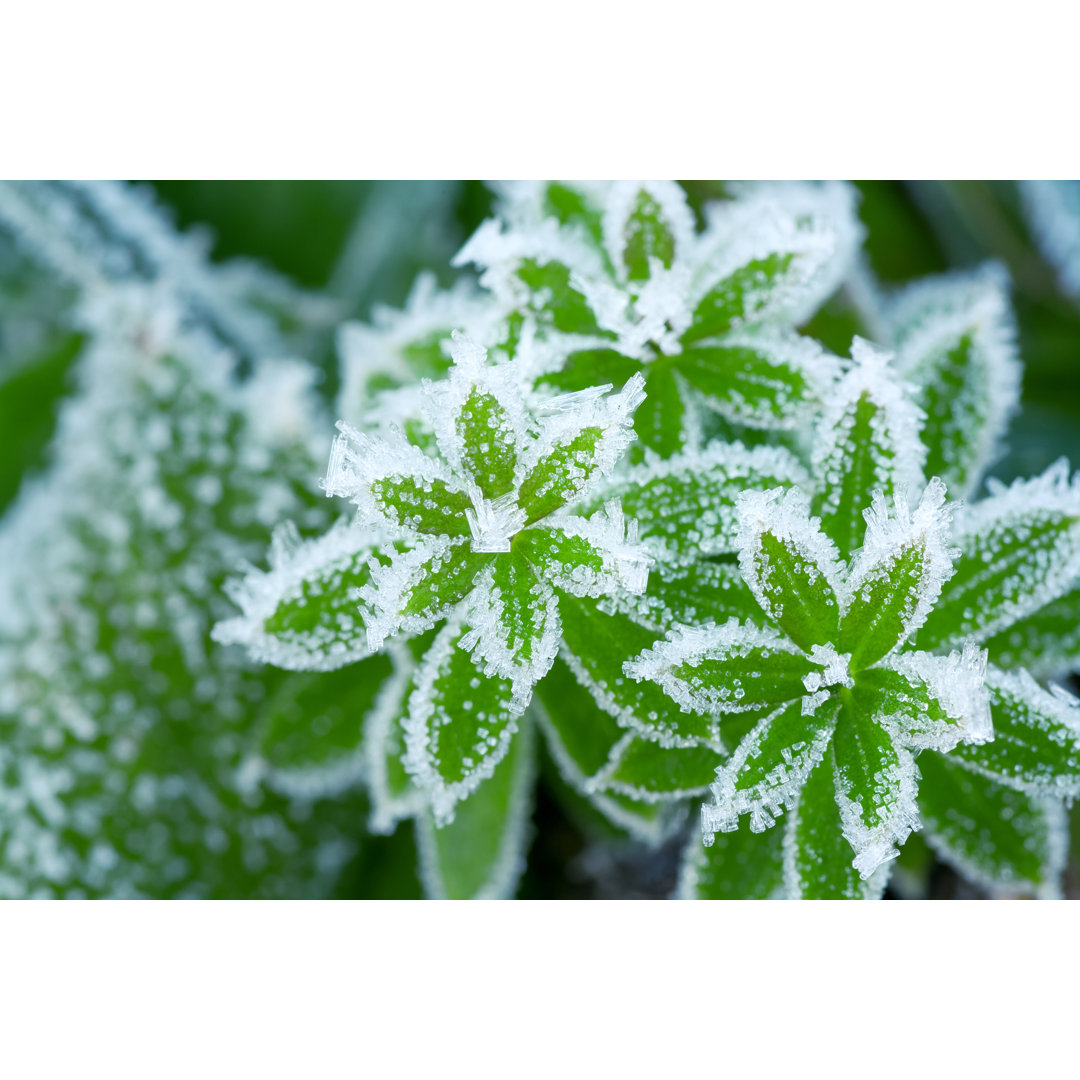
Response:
column 897, row 576
column 488, row 441
column 877, row 619
column 908, row 703
column 817, row 857
column 428, row 506
column 556, row 301
column 685, row 506
column 769, row 767
column 581, row 736
column 876, row 785
column 393, row 794
column 732, row 668
column 953, row 410
column 460, row 723
column 523, row 637
column 648, row 771
column 1036, row 744
column 570, row 207
column 739, row 865
column 867, row 440
column 741, row 295
column 661, row 420
column 789, row 565
column 304, row 614
column 761, row 380
column 646, row 235
column 311, row 728
column 481, row 853
column 1019, row 551
column 597, row 645
column 697, row 593
column 591, row 367
column 858, row 465
column 1004, row 840
column 1046, row 643
column 956, row 344
column 435, row 581
column 556, row 479
column 587, row 557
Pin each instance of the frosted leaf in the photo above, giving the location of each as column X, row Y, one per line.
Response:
column 1052, row 208
column 460, row 724
column 766, row 378
column 732, row 668
column 1019, row 550
column 956, row 342
column 1036, row 744
column 867, row 438
column 597, row 640
column 817, row 862
column 593, row 556
column 539, row 268
column 929, row 701
column 1047, row 642
column 767, row 770
column 480, row 855
column 1013, row 844
column 582, row 739
column 411, row 344
column 773, row 255
column 685, row 505
column 577, row 204
column 791, row 566
column 394, row 797
column 478, row 414
column 897, row 575
column 577, row 448
column 311, row 730
column 876, row 785
column 739, row 865
column 514, row 619
column 304, row 613
column 104, row 235
column 696, row 594
column 645, row 224
column 418, row 587
column 644, row 770
column 395, row 483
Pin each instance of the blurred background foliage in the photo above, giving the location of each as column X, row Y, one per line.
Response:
column 363, row 243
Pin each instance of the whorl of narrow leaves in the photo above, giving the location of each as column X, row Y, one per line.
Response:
column 620, row 274
column 831, row 677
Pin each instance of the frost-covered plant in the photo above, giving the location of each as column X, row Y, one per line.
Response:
column 899, row 623
column 808, row 628
column 614, row 518
column 621, row 277
column 479, row 532
column 122, row 727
